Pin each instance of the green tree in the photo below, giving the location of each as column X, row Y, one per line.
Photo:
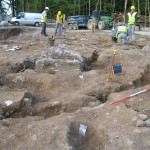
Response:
column 72, row 7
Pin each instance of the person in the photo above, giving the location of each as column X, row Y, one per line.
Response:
column 59, row 21
column 131, row 20
column 43, row 21
column 122, row 33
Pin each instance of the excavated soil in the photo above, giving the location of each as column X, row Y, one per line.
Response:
column 45, row 97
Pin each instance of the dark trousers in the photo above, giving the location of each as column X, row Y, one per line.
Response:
column 43, row 32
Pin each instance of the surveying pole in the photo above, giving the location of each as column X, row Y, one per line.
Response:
column 114, row 52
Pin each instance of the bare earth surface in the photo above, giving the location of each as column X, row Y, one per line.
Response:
column 47, row 92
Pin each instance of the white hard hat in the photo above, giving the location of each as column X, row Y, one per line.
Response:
column 46, row 8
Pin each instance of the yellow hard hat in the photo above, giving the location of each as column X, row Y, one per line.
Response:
column 59, row 12
column 132, row 7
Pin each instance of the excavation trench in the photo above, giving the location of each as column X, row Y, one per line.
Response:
column 9, row 68
column 40, row 107
column 92, row 140
column 144, row 79
column 9, row 32
column 20, row 67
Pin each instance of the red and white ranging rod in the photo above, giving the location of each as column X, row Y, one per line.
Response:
column 132, row 95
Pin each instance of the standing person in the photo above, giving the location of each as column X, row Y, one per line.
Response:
column 59, row 21
column 131, row 19
column 122, row 33
column 43, row 20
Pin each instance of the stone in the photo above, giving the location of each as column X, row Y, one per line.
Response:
column 12, row 136
column 140, row 123
column 130, row 83
column 129, row 142
column 1, row 117
column 93, row 104
column 137, row 131
column 5, row 122
column 145, row 130
column 146, row 48
column 147, row 122
column 143, row 117
column 28, row 101
column 134, row 119
column 44, row 62
column 1, row 111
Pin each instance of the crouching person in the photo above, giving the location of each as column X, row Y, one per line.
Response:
column 122, row 33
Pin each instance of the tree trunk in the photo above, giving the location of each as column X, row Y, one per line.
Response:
column 125, row 7
column 104, row 4
column 111, row 6
column 133, row 3
column 89, row 7
column 96, row 5
column 13, row 8
column 100, row 5
column 24, row 5
column 149, row 12
column 27, row 6
column 145, row 11
column 74, row 8
column 78, row 7
column 16, row 6
column 139, row 7
column 114, row 5
column 86, row 11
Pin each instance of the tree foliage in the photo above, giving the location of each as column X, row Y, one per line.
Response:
column 70, row 7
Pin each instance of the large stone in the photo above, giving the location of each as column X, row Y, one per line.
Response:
column 147, row 122
column 140, row 123
column 143, row 117
column 94, row 103
column 146, row 48
column 1, row 111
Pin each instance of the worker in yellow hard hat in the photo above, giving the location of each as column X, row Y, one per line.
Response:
column 59, row 22
column 131, row 20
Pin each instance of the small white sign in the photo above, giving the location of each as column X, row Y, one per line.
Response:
column 82, row 129
column 8, row 102
column 81, row 76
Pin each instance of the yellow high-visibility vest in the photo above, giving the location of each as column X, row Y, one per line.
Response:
column 131, row 18
column 59, row 19
column 43, row 17
column 121, row 29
